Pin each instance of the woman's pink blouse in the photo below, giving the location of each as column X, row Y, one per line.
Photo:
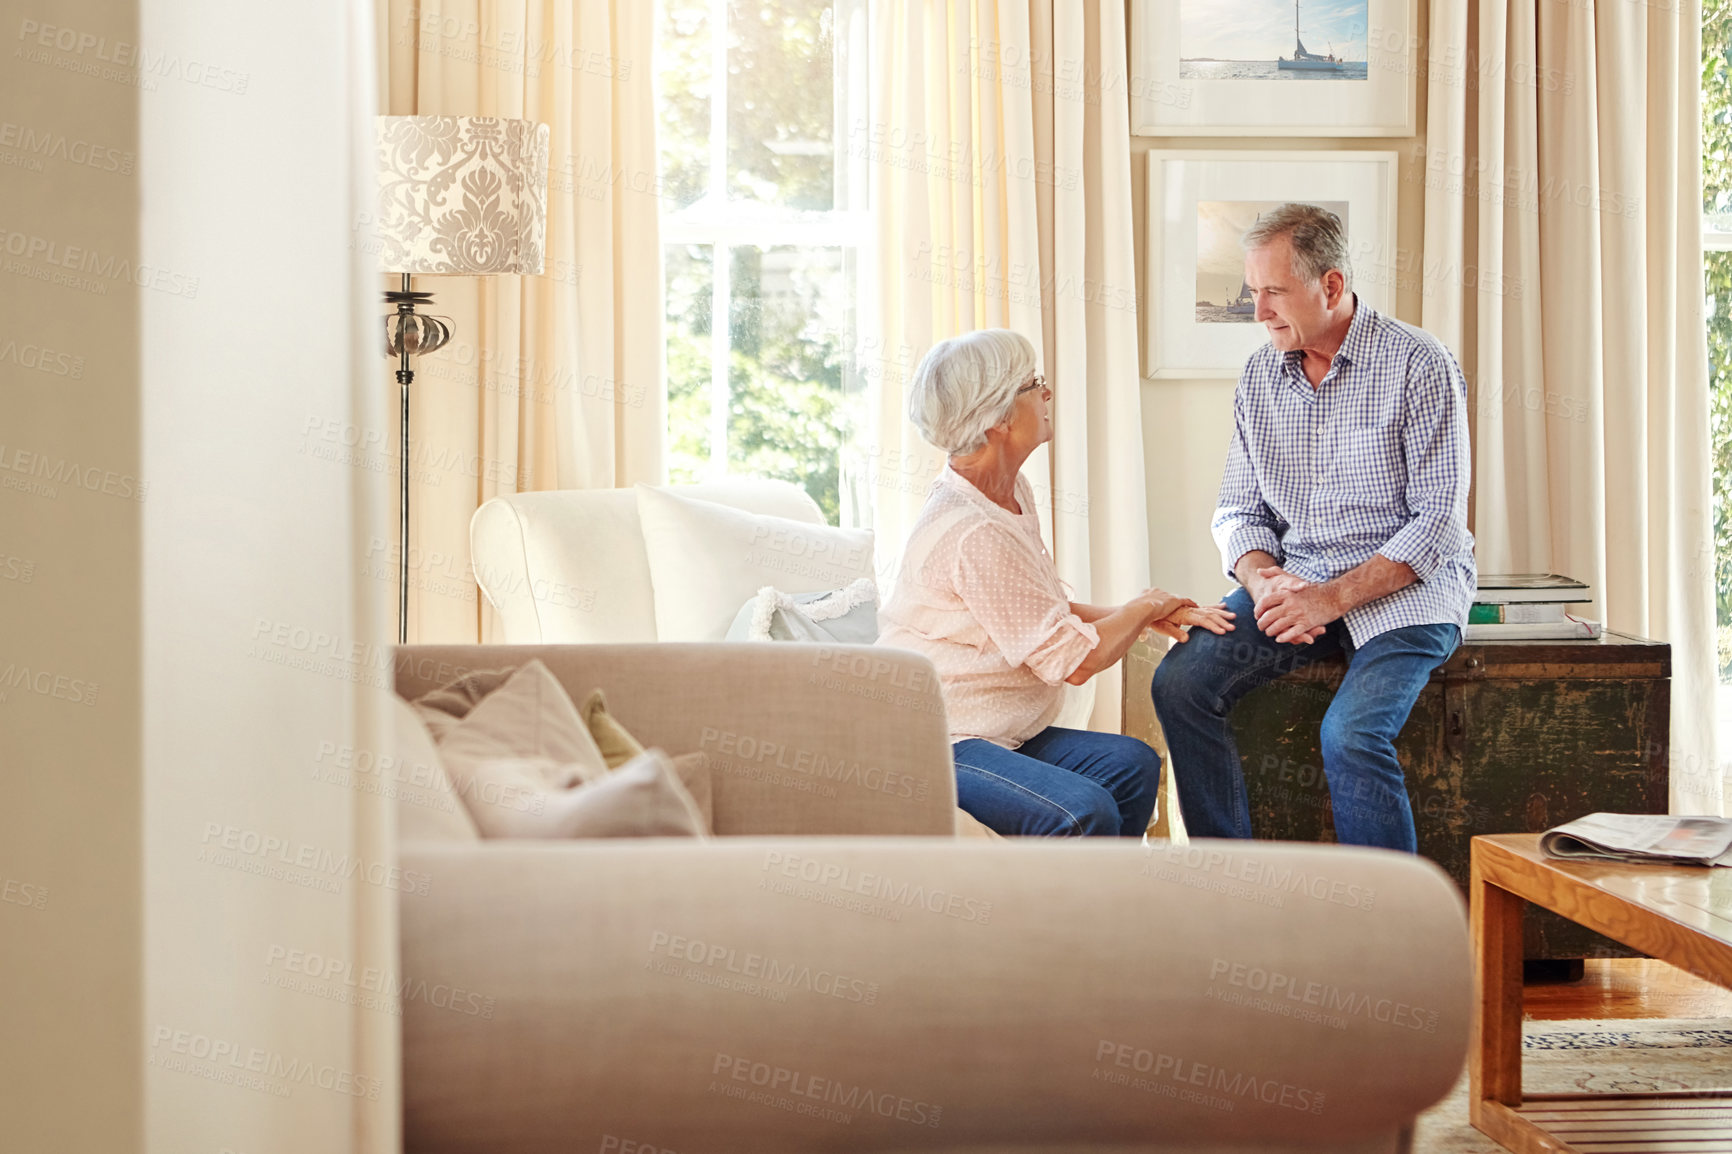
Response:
column 979, row 595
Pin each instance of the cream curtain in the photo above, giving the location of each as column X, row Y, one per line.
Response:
column 999, row 148
column 1563, row 256
column 550, row 382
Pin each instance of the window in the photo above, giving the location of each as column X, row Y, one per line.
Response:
column 764, row 226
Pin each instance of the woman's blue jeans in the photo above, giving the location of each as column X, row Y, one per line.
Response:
column 1060, row 783
column 1198, row 683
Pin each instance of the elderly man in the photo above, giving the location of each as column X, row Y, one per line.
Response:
column 1343, row 516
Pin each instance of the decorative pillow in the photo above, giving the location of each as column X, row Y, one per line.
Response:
column 524, row 742
column 428, row 808
column 693, row 770
column 444, row 707
column 846, row 616
column 643, row 798
column 617, row 745
column 706, row 559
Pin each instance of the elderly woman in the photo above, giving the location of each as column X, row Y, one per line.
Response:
column 978, row 594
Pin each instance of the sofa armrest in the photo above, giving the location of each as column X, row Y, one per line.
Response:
column 792, row 995
column 801, row 739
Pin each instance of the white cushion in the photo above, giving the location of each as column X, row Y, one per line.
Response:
column 523, row 744
column 568, row 566
column 428, row 808
column 642, row 798
column 705, row 560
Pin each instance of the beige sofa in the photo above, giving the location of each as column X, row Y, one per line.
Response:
column 784, row 989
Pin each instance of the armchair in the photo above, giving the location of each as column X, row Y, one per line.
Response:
column 568, row 565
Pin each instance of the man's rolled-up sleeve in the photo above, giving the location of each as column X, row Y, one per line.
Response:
column 1439, row 468
column 1009, row 595
column 1243, row 519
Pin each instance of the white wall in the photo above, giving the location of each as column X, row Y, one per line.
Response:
column 263, row 652
column 200, row 572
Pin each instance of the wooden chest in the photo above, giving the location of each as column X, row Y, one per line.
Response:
column 1509, row 737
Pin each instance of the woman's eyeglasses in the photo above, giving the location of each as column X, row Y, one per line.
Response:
column 1039, row 382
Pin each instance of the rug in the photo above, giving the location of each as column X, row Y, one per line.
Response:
column 1627, row 1056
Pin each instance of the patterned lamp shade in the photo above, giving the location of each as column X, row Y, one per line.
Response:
column 462, row 194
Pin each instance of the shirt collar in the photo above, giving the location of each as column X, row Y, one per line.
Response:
column 1355, row 346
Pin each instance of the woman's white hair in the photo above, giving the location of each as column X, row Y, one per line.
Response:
column 966, row 385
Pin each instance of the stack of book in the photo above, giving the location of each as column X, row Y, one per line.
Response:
column 1529, row 607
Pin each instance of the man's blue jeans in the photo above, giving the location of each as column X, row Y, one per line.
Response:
column 1198, row 683
column 1060, row 783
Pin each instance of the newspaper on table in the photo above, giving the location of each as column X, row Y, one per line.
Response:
column 1641, row 837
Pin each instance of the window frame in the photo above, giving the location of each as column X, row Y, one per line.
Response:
column 723, row 224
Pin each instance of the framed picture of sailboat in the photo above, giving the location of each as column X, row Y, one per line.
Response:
column 1274, row 67
column 1201, row 319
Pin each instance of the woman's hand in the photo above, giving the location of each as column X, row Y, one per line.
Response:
column 1216, row 619
column 1163, row 604
column 1119, row 628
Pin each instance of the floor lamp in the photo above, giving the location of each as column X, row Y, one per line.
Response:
column 458, row 196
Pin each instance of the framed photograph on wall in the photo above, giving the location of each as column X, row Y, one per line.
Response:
column 1274, row 67
column 1200, row 316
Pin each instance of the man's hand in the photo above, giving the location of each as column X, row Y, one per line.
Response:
column 1291, row 609
column 1272, row 579
column 1217, row 619
column 1261, row 574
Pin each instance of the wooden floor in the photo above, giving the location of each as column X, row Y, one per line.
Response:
column 1627, row 988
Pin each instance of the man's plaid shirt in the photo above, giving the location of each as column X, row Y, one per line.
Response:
column 1373, row 460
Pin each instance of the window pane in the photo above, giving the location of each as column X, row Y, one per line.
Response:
column 690, row 273
column 683, row 100
column 781, row 103
column 794, row 405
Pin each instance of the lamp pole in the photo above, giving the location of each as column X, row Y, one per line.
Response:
column 406, row 332
column 404, row 375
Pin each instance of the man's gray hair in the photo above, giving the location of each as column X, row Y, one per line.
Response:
column 1319, row 241
column 967, row 384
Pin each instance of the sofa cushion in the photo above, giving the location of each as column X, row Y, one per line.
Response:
column 693, row 770
column 705, row 560
column 846, row 616
column 443, row 708
column 428, row 808
column 526, row 766
column 643, row 798
column 523, row 742
column 566, row 566
column 616, row 743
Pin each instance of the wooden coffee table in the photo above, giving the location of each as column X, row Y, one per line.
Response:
column 1680, row 914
